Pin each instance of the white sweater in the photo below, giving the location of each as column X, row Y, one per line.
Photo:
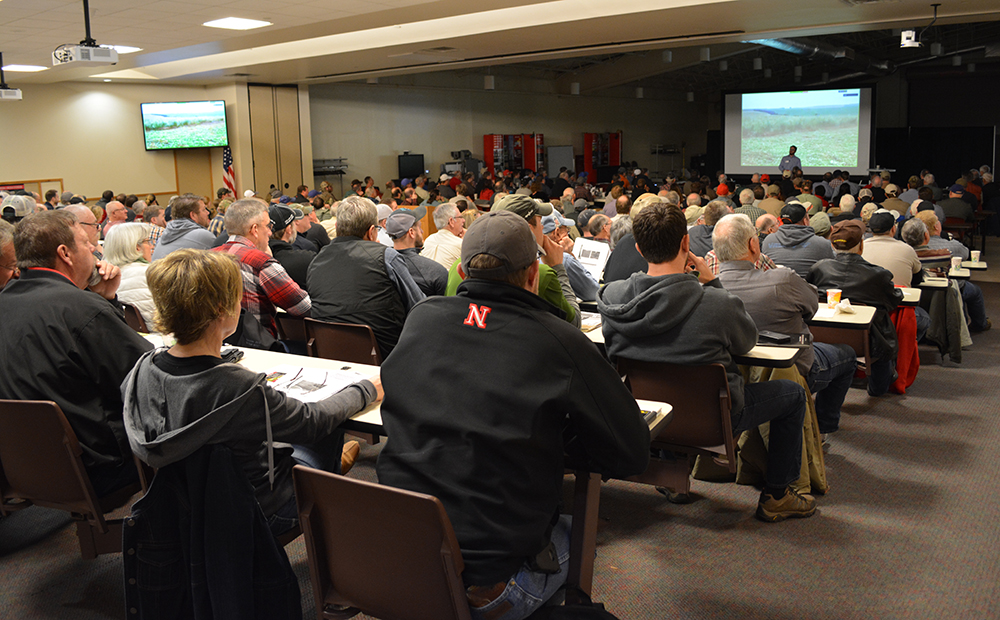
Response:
column 134, row 290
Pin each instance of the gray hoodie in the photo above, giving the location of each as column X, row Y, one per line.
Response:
column 797, row 247
column 182, row 233
column 168, row 417
column 675, row 319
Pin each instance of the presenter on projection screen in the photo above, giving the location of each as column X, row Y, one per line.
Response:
column 790, row 161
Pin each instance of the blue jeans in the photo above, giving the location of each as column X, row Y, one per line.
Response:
column 830, row 377
column 528, row 590
column 783, row 404
column 324, row 454
column 923, row 322
column 972, row 297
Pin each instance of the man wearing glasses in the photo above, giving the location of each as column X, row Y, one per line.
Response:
column 445, row 246
column 266, row 284
column 89, row 223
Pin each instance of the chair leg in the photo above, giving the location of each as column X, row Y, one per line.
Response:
column 94, row 543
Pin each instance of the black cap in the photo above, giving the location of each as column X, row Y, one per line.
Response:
column 881, row 222
column 792, row 213
column 281, row 216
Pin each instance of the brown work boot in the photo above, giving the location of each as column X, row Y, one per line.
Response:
column 792, row 505
column 350, row 454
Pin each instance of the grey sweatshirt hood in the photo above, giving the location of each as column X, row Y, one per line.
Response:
column 172, row 424
column 637, row 308
column 791, row 235
column 177, row 229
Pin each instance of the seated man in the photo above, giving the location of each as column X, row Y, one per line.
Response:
column 778, row 300
column 445, row 245
column 553, row 282
column 65, row 339
column 8, row 261
column 494, row 455
column 669, row 315
column 865, row 283
column 884, row 250
column 584, row 285
column 403, row 227
column 358, row 280
column 266, row 284
column 282, row 244
column 701, row 235
column 188, row 227
column 795, row 245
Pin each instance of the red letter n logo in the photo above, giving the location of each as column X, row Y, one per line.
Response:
column 477, row 316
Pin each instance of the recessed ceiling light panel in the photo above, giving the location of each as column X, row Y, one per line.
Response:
column 23, row 68
column 236, row 23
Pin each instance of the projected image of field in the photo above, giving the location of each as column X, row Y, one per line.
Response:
column 184, row 125
column 822, row 124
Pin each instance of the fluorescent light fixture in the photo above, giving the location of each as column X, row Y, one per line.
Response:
column 107, row 80
column 236, row 23
column 23, row 68
column 124, row 49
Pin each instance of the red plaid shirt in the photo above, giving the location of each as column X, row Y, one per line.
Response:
column 266, row 284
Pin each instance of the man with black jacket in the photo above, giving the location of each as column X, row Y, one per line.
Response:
column 295, row 261
column 489, row 442
column 65, row 339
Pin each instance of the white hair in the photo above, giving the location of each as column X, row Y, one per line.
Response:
column 731, row 235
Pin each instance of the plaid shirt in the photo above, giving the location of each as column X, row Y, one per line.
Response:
column 154, row 234
column 764, row 263
column 266, row 284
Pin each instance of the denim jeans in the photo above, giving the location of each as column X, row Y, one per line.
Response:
column 783, row 404
column 528, row 590
column 923, row 322
column 830, row 377
column 972, row 297
column 324, row 454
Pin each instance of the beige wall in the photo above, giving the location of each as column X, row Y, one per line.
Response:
column 370, row 124
column 90, row 135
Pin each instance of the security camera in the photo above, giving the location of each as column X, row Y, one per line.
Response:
column 908, row 38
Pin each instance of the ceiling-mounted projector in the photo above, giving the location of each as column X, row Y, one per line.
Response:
column 10, row 94
column 83, row 56
column 908, row 38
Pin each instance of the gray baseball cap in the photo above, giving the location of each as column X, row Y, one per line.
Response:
column 402, row 220
column 503, row 235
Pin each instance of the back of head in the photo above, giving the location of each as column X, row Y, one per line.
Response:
column 121, row 246
column 356, row 216
column 241, row 214
column 37, row 237
column 847, row 202
column 193, row 288
column 645, row 201
column 715, row 211
column 108, row 195
column 746, row 196
column 658, row 232
column 766, row 222
column 597, row 223
column 914, row 232
column 183, row 206
column 731, row 237
column 443, row 213
column 500, row 246
column 620, row 226
column 925, row 193
column 929, row 218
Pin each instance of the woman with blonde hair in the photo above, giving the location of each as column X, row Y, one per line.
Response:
column 128, row 248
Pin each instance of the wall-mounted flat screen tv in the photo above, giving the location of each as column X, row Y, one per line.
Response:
column 184, row 125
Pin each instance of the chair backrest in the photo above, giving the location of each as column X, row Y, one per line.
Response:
column 290, row 327
column 342, row 341
column 41, row 461
column 388, row 552
column 134, row 319
column 699, row 396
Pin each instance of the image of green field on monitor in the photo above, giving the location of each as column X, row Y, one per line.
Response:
column 822, row 124
column 184, row 125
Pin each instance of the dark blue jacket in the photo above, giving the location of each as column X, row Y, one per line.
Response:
column 197, row 546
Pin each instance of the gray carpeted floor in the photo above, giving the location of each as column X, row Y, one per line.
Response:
column 908, row 530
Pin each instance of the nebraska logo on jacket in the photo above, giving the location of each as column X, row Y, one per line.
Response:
column 477, row 316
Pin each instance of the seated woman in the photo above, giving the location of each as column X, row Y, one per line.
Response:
column 182, row 398
column 127, row 247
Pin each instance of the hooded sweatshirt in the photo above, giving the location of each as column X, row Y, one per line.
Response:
column 675, row 319
column 168, row 417
column 797, row 247
column 182, row 233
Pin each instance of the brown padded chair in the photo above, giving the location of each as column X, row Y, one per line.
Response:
column 414, row 572
column 40, row 456
column 291, row 328
column 701, row 423
column 134, row 319
column 345, row 342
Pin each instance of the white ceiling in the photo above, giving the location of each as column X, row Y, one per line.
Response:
column 314, row 41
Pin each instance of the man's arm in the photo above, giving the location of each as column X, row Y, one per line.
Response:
column 282, row 291
column 398, row 272
column 803, row 294
column 582, row 281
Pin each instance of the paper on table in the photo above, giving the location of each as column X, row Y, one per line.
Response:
column 310, row 385
column 589, row 321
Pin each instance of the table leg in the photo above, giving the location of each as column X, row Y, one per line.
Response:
column 583, row 541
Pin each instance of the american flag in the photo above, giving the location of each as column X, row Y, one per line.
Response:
column 227, row 169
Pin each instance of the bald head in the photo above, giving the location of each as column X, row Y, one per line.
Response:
column 87, row 219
